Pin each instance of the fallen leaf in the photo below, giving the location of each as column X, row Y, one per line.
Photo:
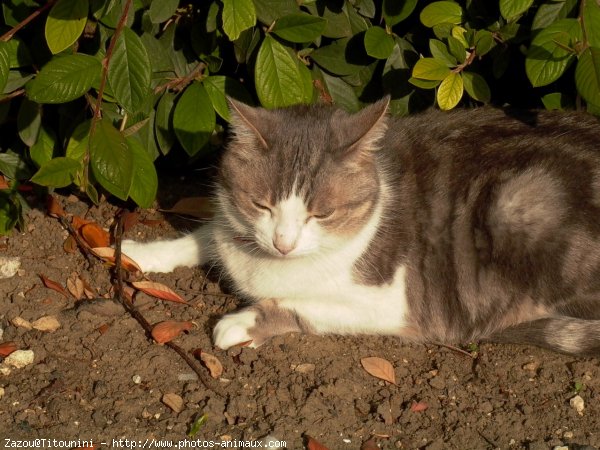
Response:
column 130, row 219
column 379, row 368
column 94, row 235
column 158, row 290
column 46, row 323
column 152, row 222
column 313, row 444
column 169, row 329
column 211, row 362
column 199, row 207
column 3, row 183
column 197, row 424
column 6, row 348
column 20, row 322
column 77, row 222
column 108, row 254
column 173, row 401
column 53, row 207
column 50, row 284
column 369, row 444
column 75, row 287
column 418, row 406
column 70, row 244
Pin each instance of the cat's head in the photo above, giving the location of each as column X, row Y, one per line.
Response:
column 300, row 180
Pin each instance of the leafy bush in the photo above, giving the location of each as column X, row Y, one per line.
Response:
column 94, row 91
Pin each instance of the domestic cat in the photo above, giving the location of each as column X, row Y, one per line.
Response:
column 440, row 227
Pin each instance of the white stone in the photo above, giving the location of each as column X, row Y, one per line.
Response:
column 578, row 404
column 19, row 358
column 9, row 265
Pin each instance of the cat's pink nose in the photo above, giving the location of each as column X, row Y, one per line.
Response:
column 283, row 247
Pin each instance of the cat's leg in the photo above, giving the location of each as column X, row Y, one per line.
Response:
column 256, row 324
column 164, row 256
column 351, row 315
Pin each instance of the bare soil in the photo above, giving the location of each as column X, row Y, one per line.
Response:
column 100, row 377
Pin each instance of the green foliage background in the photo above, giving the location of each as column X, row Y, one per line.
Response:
column 94, row 91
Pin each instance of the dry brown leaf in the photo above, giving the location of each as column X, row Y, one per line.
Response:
column 53, row 207
column 78, row 222
column 169, row 329
column 46, row 323
column 50, row 284
column 108, row 254
column 94, row 235
column 158, row 290
column 379, row 368
column 418, row 406
column 211, row 362
column 173, row 401
column 199, row 207
column 103, row 328
column 130, row 219
column 3, row 183
column 370, row 444
column 313, row 444
column 152, row 222
column 75, row 287
column 70, row 244
column 6, row 348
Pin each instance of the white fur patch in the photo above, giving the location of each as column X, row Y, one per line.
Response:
column 233, row 329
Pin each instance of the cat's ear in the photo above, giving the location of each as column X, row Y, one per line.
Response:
column 247, row 121
column 360, row 132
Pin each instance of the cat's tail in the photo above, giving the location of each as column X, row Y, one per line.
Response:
column 563, row 334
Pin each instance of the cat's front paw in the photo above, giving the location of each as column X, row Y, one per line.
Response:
column 147, row 256
column 234, row 329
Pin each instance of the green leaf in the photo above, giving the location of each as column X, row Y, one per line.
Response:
column 430, row 69
column 66, row 21
column 145, row 180
column 450, row 91
column 457, row 49
column 554, row 101
column 510, row 9
column 64, row 78
column 591, row 22
column 342, row 93
column 14, row 166
column 378, row 43
column 29, row 121
column 587, row 75
column 163, row 122
column 111, row 160
column 9, row 212
column 484, row 42
column 338, row 23
column 162, row 10
column 550, row 12
column 78, row 142
column 546, row 60
column 278, row 80
column 476, row 87
column 424, row 84
column 129, row 71
column 57, row 172
column 194, row 118
column 219, row 87
column 238, row 15
column 395, row 11
column 43, row 150
column 439, row 51
column 441, row 12
column 4, row 65
column 299, row 27
column 332, row 58
column 268, row 11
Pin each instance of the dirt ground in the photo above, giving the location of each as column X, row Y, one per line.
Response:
column 99, row 377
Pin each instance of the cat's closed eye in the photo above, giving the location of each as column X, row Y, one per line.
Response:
column 322, row 215
column 261, row 206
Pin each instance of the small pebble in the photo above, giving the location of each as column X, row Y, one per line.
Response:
column 568, row 435
column 46, row 323
column 19, row 358
column 190, row 376
column 136, row 379
column 1, row 392
column 578, row 404
column 305, row 368
column 20, row 322
column 9, row 266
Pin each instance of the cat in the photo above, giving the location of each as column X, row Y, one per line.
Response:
column 446, row 227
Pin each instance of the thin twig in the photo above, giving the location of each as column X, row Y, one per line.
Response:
column 455, row 349
column 178, row 84
column 9, row 34
column 12, row 95
column 209, row 383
